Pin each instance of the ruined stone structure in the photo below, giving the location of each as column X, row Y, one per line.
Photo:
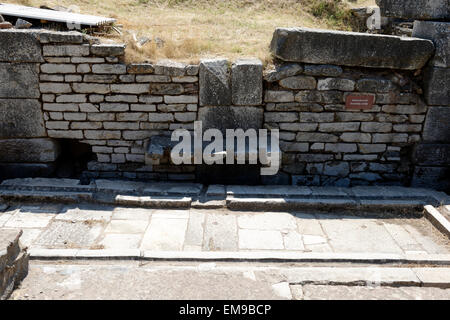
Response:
column 58, row 88
column 13, row 262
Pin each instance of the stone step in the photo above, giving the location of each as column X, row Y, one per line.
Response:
column 154, row 202
column 103, row 185
column 281, row 204
column 45, row 196
column 438, row 219
column 325, row 205
column 238, row 197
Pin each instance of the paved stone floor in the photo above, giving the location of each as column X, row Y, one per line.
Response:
column 100, row 227
column 229, row 281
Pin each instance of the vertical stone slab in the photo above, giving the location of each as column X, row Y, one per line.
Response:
column 21, row 118
column 231, row 117
column 431, row 177
column 19, row 80
column 215, row 84
column 437, row 86
column 29, row 150
column 246, row 75
column 415, row 9
column 20, row 46
column 439, row 33
column 437, row 125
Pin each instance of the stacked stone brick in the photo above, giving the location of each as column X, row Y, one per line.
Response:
column 324, row 143
column 90, row 95
column 13, row 262
column 432, row 22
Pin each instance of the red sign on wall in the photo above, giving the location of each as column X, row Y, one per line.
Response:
column 359, row 102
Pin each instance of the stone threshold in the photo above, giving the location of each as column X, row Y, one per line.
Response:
column 437, row 219
column 186, row 195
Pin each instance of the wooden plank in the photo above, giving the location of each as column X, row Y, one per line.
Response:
column 52, row 15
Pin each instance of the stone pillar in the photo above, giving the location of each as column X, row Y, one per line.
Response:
column 432, row 157
column 230, row 98
column 24, row 146
column 415, row 9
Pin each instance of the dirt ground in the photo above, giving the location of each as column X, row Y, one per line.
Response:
column 188, row 30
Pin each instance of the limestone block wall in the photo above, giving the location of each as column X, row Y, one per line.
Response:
column 326, row 143
column 58, row 87
column 432, row 156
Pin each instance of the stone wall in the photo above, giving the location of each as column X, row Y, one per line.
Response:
column 22, row 123
column 66, row 86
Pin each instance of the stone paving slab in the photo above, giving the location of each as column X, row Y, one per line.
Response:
column 267, row 221
column 324, row 292
column 114, row 282
column 424, row 237
column 69, row 234
column 349, row 276
column 131, row 214
column 116, row 241
column 434, row 277
column 127, row 226
column 195, row 229
column 48, row 196
column 85, row 213
column 189, row 280
column 293, row 240
column 90, row 226
column 221, row 233
column 403, row 238
column 28, row 220
column 165, row 234
column 345, row 236
column 260, row 240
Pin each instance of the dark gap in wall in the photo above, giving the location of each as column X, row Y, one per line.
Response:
column 229, row 174
column 73, row 159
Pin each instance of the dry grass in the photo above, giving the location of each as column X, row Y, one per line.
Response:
column 195, row 29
